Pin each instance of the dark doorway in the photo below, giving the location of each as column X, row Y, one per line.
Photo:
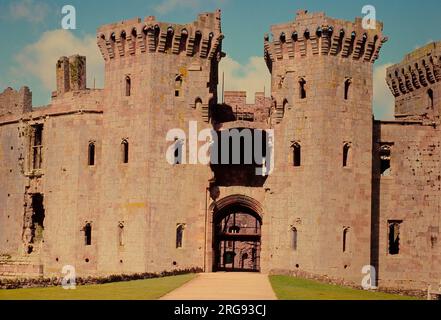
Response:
column 237, row 239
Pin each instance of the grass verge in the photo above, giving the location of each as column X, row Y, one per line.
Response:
column 150, row 289
column 290, row 288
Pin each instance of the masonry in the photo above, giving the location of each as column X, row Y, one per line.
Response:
column 85, row 180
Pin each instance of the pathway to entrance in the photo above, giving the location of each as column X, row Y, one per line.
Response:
column 225, row 286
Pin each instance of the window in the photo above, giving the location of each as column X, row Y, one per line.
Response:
column 346, row 155
column 385, row 158
column 37, row 217
column 88, row 234
column 394, row 237
column 348, row 83
column 178, row 86
column 128, row 86
column 125, row 151
column 430, row 96
column 294, row 235
column 297, row 154
column 302, row 90
column 179, row 150
column 198, row 104
column 345, row 238
column 180, row 236
column 91, row 152
column 37, row 146
column 121, row 234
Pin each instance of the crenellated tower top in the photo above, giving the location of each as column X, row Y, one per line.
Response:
column 315, row 34
column 416, row 84
column 201, row 38
column 419, row 69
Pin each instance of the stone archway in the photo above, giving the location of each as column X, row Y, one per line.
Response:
column 237, row 225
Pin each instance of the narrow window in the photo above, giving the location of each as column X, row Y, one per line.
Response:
column 91, row 159
column 121, row 234
column 88, row 234
column 178, row 86
column 346, row 154
column 125, row 151
column 179, row 150
column 302, row 89
column 348, row 83
column 430, row 95
column 385, row 158
column 394, row 237
column 179, row 236
column 345, row 239
column 128, row 86
column 198, row 104
column 294, row 235
column 37, row 146
column 297, row 154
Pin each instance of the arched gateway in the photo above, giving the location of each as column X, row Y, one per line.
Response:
column 237, row 225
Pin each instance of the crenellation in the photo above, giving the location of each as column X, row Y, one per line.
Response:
column 160, row 37
column 322, row 36
column 95, row 160
column 415, row 84
column 15, row 103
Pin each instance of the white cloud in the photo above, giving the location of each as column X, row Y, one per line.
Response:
column 251, row 77
column 29, row 10
column 167, row 6
column 384, row 102
column 39, row 59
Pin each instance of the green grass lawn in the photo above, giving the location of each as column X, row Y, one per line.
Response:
column 290, row 288
column 150, row 289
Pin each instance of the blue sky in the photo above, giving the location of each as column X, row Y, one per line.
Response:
column 31, row 31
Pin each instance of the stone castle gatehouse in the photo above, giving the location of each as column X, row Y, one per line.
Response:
column 85, row 180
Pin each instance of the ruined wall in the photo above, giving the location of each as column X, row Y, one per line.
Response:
column 311, row 59
column 235, row 102
column 409, row 194
column 14, row 103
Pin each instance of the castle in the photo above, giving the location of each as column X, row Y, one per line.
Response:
column 85, row 180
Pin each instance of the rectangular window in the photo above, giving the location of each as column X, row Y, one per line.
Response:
column 180, row 236
column 88, row 234
column 385, row 159
column 36, row 146
column 394, row 227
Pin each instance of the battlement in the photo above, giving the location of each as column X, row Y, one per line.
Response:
column 315, row 34
column 14, row 102
column 201, row 38
column 418, row 70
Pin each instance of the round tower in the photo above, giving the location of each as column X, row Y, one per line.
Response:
column 320, row 198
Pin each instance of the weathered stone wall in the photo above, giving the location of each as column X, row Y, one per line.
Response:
column 321, row 197
column 409, row 194
column 415, row 83
column 161, row 76
column 15, row 102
